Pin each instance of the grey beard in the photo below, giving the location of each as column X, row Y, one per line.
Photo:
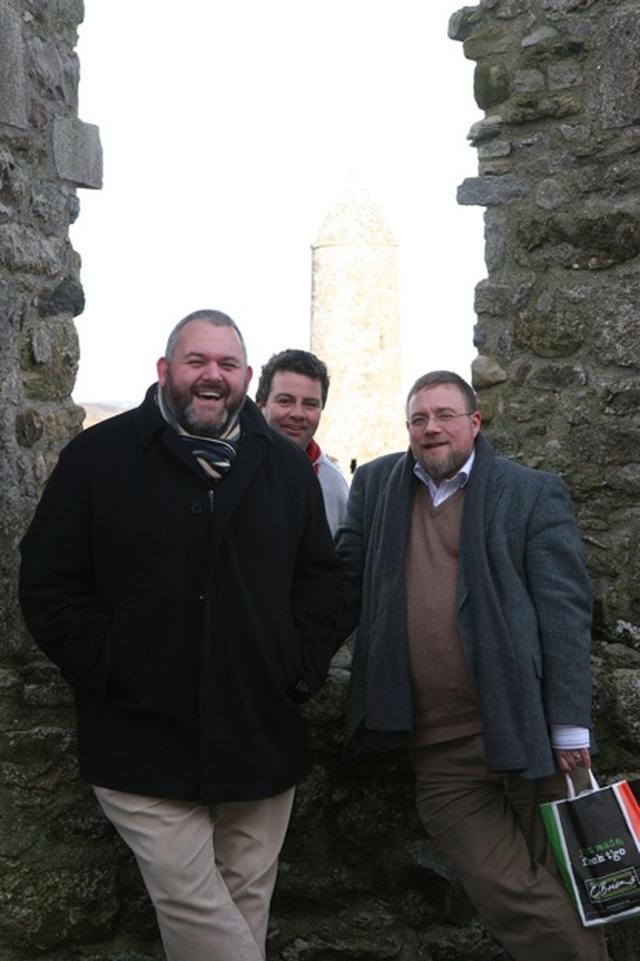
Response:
column 442, row 468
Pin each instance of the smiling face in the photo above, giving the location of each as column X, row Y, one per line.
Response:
column 205, row 382
column 441, row 446
column 294, row 406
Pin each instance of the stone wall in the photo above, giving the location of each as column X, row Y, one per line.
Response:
column 558, row 331
column 558, row 374
column 46, row 152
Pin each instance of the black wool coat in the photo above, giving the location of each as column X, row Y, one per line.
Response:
column 191, row 618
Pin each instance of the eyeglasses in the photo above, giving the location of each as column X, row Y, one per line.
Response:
column 420, row 421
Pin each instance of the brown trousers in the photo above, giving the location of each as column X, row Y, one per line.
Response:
column 489, row 827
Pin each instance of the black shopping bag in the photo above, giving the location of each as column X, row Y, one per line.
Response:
column 595, row 837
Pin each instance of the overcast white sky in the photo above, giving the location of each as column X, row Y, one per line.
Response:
column 229, row 129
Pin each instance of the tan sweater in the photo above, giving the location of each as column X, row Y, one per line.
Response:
column 444, row 703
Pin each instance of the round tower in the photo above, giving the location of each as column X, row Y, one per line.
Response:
column 355, row 330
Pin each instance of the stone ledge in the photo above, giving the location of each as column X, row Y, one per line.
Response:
column 77, row 152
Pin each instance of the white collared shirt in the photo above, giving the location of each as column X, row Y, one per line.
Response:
column 441, row 492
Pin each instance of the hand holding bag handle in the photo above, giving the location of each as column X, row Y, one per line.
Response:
column 571, row 788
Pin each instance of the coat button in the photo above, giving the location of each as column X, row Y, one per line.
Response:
column 196, row 508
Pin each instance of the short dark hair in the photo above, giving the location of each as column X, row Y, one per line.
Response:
column 214, row 317
column 295, row 362
column 446, row 377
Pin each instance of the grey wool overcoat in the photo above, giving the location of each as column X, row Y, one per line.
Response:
column 524, row 602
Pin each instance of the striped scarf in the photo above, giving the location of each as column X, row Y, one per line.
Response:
column 215, row 455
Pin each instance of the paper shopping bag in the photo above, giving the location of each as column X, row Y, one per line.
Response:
column 595, row 837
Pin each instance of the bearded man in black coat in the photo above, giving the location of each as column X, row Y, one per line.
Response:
column 180, row 572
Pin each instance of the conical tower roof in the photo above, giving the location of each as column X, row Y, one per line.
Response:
column 355, row 220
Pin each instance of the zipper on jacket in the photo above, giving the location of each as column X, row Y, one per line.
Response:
column 211, row 495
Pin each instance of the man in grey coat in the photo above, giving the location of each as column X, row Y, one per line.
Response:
column 466, row 580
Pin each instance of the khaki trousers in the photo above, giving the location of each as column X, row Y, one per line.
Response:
column 209, row 871
column 490, row 828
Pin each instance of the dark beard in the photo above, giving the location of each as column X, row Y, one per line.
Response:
column 187, row 419
column 181, row 406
